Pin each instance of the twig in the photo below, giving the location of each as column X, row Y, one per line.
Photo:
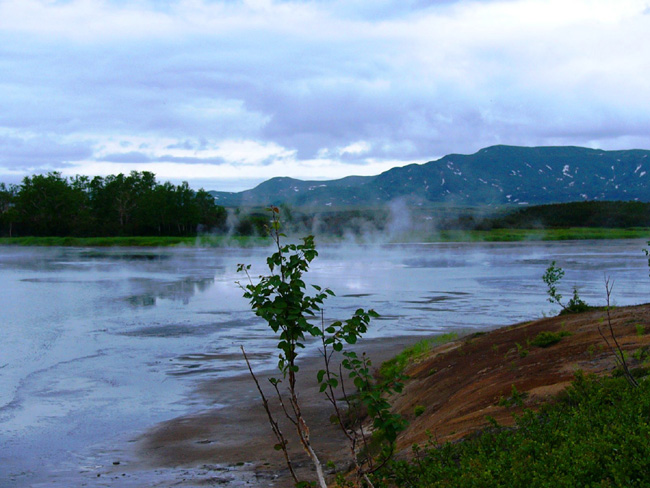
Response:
column 282, row 442
column 628, row 376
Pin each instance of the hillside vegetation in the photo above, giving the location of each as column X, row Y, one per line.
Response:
column 497, row 175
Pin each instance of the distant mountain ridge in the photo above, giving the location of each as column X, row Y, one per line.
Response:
column 496, row 175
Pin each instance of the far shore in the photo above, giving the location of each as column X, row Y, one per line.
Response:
column 208, row 241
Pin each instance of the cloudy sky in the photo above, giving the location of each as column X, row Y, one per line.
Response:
column 228, row 93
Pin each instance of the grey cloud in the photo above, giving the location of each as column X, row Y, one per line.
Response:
column 190, row 160
column 189, row 144
column 115, row 89
column 18, row 153
column 138, row 157
column 129, row 157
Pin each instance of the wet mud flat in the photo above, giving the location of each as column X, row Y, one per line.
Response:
column 233, row 445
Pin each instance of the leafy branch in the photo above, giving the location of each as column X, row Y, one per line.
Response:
column 281, row 299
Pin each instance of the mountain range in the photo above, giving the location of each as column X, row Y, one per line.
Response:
column 496, row 175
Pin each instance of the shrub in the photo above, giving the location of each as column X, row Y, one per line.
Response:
column 552, row 278
column 595, row 435
column 281, row 299
column 418, row 410
column 547, row 338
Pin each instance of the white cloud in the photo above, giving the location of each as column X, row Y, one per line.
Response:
column 315, row 89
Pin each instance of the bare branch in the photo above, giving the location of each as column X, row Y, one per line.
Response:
column 621, row 355
column 282, row 442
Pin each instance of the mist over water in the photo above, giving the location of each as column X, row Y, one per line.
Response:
column 97, row 345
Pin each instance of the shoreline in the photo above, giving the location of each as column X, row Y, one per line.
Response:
column 460, row 384
column 443, row 236
column 238, row 439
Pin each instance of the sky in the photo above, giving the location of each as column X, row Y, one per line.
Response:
column 225, row 94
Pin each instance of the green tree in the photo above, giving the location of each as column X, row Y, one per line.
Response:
column 211, row 216
column 47, row 205
column 8, row 212
column 282, row 300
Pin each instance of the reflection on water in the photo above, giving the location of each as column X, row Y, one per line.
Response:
column 131, row 333
column 182, row 290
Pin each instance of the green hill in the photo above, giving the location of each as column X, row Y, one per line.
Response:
column 497, row 175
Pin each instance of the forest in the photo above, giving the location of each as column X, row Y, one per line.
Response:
column 115, row 205
column 575, row 214
column 137, row 205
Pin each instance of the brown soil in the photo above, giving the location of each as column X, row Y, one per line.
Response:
column 458, row 384
column 461, row 383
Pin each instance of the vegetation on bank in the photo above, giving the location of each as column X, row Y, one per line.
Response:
column 221, row 240
column 518, row 235
column 595, row 434
column 395, row 367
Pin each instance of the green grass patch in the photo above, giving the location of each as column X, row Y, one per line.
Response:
column 494, row 235
column 137, row 241
column 517, row 235
column 396, row 366
column 547, row 338
column 516, row 398
column 595, row 435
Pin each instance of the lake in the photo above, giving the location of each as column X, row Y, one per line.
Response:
column 99, row 344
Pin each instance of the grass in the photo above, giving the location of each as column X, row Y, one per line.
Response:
column 516, row 235
column 137, row 241
column 396, row 366
column 494, row 235
column 547, row 338
column 595, row 434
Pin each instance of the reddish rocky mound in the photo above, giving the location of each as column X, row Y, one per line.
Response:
column 461, row 383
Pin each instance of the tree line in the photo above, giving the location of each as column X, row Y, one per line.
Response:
column 115, row 205
column 603, row 214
